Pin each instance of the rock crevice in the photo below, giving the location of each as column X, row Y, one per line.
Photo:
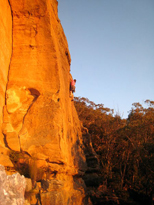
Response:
column 42, row 131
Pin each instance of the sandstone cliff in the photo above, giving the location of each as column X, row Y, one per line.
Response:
column 37, row 116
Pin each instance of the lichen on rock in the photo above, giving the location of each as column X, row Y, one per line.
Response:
column 12, row 188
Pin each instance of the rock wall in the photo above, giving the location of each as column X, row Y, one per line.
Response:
column 5, row 58
column 38, row 117
column 5, row 54
column 12, row 188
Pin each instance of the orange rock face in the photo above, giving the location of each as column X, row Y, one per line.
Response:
column 5, row 53
column 5, row 58
column 39, row 117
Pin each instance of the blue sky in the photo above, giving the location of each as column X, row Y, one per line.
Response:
column 111, row 43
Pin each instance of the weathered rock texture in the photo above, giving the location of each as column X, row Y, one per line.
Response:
column 5, row 53
column 37, row 116
column 12, row 188
column 5, row 58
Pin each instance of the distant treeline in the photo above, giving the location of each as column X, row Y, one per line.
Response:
column 125, row 148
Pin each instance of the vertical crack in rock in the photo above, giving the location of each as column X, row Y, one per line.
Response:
column 4, row 139
column 39, row 116
column 18, row 103
column 35, row 93
column 11, row 51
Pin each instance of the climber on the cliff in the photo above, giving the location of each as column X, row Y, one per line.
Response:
column 72, row 87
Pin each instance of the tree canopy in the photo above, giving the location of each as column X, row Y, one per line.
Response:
column 125, row 148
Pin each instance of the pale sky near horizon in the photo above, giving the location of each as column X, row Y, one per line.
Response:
column 111, row 43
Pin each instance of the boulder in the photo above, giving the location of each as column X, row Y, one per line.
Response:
column 12, row 188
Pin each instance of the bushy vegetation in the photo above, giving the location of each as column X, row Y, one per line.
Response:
column 125, row 148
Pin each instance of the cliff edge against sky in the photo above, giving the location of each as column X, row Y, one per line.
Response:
column 37, row 116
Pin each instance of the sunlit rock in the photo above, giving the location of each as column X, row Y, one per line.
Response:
column 38, row 121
